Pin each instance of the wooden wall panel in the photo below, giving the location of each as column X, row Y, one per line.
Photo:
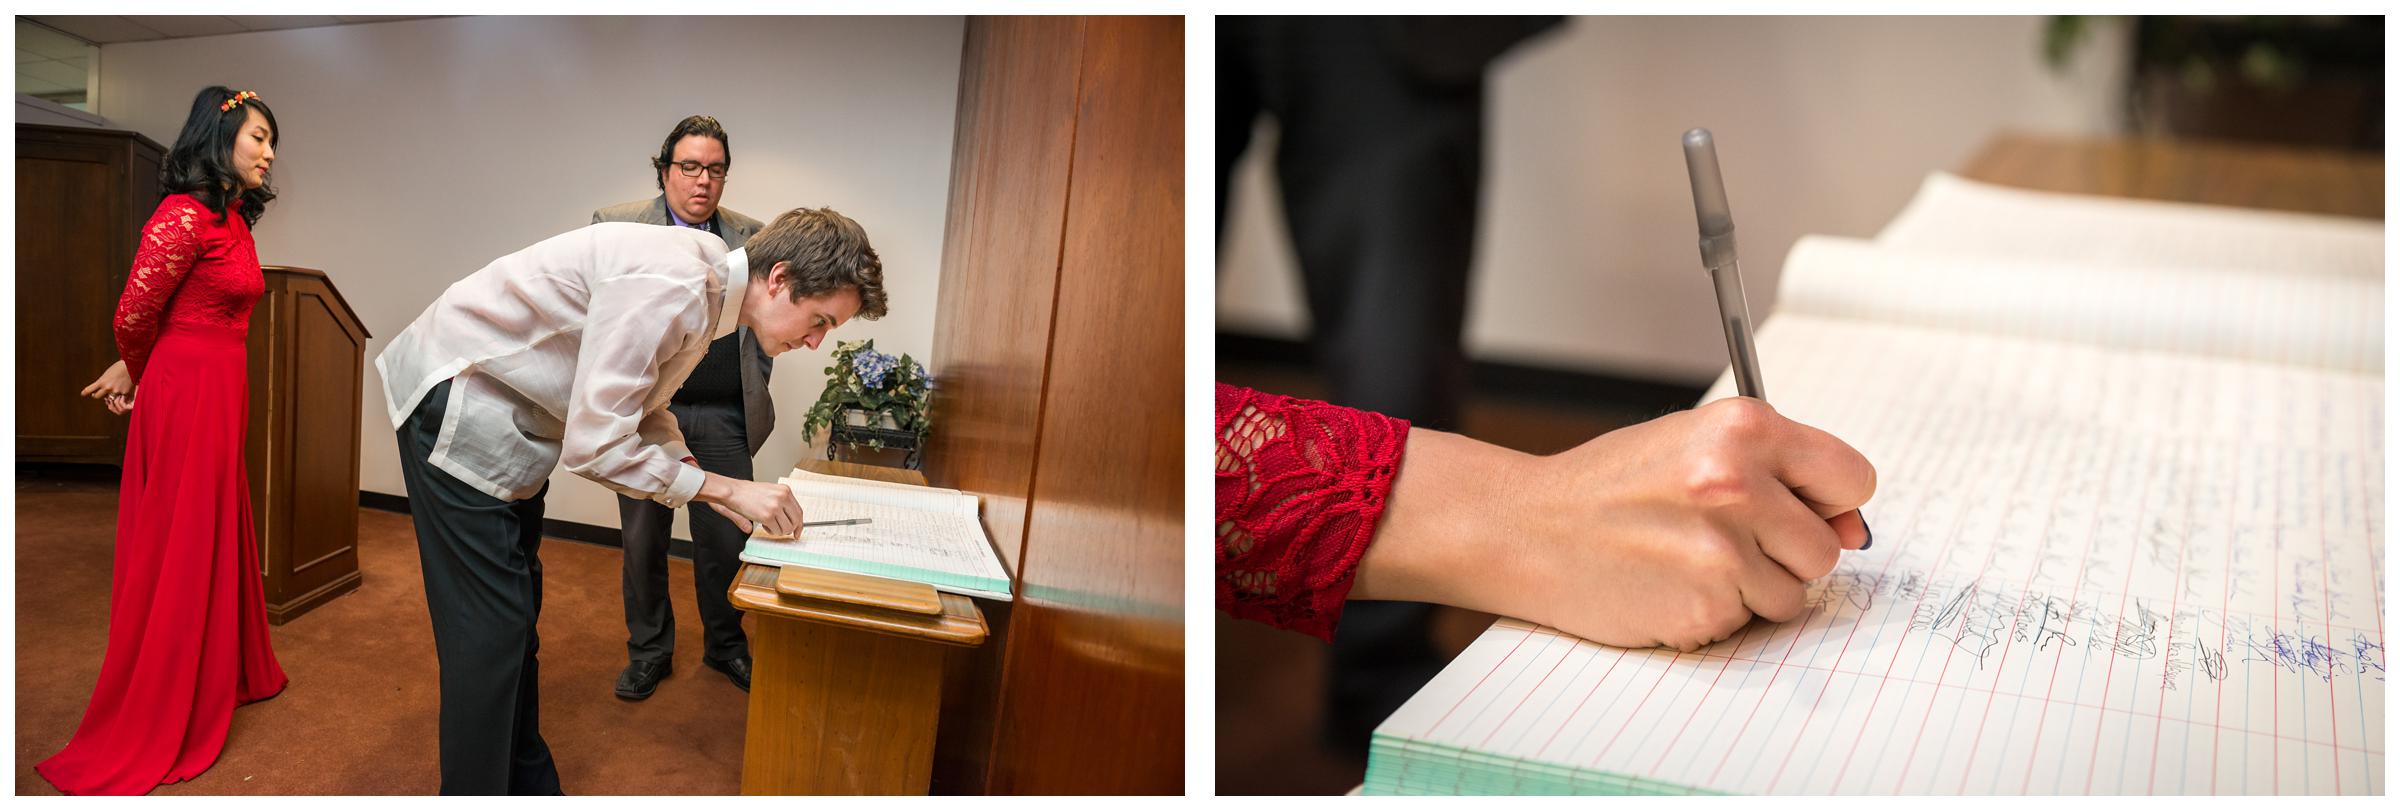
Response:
column 1093, row 701
column 1059, row 350
column 1008, row 197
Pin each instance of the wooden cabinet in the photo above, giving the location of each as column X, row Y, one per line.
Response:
column 307, row 367
column 82, row 197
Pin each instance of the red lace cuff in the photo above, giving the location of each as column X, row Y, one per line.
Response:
column 1300, row 485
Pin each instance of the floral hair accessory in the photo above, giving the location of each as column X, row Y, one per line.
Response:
column 236, row 101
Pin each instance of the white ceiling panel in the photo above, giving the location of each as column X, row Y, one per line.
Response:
column 101, row 29
column 34, row 84
column 109, row 30
column 195, row 26
column 266, row 23
column 40, row 41
column 54, row 71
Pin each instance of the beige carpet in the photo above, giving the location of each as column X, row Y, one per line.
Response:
column 359, row 715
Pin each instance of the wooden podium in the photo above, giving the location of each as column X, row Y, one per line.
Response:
column 307, row 367
column 846, row 680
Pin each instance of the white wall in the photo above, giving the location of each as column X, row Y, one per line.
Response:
column 1588, row 255
column 415, row 152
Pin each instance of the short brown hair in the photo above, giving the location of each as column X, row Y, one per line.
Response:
column 828, row 252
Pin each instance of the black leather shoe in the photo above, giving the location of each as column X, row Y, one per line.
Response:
column 736, row 669
column 640, row 679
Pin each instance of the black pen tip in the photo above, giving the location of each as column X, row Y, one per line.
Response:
column 1862, row 524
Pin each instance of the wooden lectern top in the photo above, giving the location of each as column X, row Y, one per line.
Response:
column 864, row 602
column 2280, row 178
column 331, row 291
column 805, row 583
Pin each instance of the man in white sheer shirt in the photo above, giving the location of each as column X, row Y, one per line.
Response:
column 568, row 351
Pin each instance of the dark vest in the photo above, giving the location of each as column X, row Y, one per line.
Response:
column 718, row 378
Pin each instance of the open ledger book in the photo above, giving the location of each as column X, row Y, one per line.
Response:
column 927, row 535
column 2128, row 532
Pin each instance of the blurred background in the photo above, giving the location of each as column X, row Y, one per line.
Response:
column 1585, row 307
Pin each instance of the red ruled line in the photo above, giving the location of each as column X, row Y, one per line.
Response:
column 1537, row 687
column 2108, row 677
column 2156, row 729
column 2082, row 565
column 1663, row 752
column 1462, row 697
column 2016, row 624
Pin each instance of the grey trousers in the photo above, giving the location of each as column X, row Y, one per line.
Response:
column 718, row 439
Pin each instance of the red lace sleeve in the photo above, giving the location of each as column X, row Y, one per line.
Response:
column 1300, row 485
column 170, row 245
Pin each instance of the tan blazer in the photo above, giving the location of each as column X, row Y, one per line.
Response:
column 758, row 406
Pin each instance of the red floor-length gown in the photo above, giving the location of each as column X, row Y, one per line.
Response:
column 187, row 624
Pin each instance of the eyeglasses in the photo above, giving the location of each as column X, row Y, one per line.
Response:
column 716, row 171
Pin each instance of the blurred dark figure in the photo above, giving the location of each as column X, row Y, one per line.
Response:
column 1380, row 162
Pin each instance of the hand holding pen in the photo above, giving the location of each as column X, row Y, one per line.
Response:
column 1725, row 272
column 1677, row 532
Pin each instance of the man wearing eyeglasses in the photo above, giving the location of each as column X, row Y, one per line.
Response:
column 725, row 413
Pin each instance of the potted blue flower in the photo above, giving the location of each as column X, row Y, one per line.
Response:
column 872, row 400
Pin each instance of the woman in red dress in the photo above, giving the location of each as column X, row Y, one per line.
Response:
column 187, row 625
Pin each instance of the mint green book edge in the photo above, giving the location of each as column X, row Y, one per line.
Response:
column 1400, row 766
column 896, row 572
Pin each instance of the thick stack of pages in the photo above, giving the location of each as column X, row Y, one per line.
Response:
column 920, row 534
column 2128, row 532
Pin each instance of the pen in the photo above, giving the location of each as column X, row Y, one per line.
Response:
column 1717, row 254
column 807, row 524
column 1724, row 269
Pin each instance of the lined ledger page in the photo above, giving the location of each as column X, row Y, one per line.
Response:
column 1951, row 214
column 922, row 534
column 2330, row 321
column 907, row 496
column 2096, row 570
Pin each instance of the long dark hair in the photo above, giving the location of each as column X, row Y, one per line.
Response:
column 201, row 163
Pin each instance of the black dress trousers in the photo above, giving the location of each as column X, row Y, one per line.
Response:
column 483, row 586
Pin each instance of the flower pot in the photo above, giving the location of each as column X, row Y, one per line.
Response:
column 856, row 418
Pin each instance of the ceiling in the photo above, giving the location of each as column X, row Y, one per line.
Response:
column 54, row 52
column 50, row 63
column 107, row 30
